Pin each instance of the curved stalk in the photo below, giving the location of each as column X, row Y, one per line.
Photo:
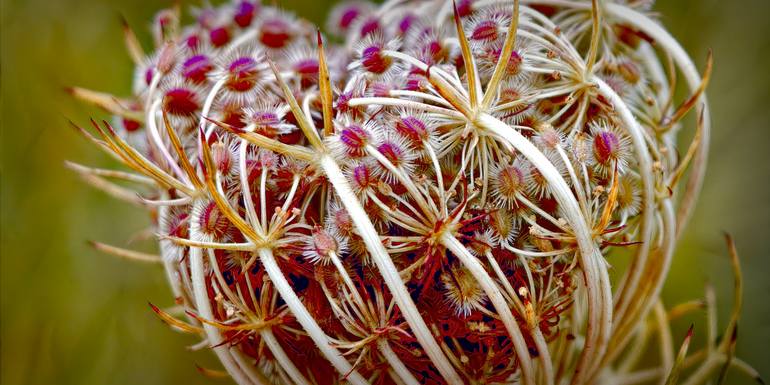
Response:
column 283, row 360
column 306, row 320
column 201, row 297
column 591, row 259
column 388, row 270
column 690, row 72
column 648, row 195
column 395, row 363
column 493, row 292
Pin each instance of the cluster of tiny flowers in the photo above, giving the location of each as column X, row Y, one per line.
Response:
column 428, row 193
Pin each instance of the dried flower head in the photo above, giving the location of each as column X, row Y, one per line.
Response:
column 432, row 200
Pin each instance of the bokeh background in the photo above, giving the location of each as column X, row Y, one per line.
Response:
column 71, row 315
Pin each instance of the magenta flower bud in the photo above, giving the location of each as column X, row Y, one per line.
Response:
column 275, row 33
column 266, row 122
column 370, row 26
column 149, row 73
column 193, row 42
column 606, row 147
column 394, row 152
column 413, row 129
column 374, row 60
column 363, row 177
column 242, row 74
column 244, row 13
column 406, row 23
column 307, row 68
column 355, row 139
column 485, row 30
column 196, row 68
column 181, row 102
column 464, row 8
column 348, row 15
column 219, row 36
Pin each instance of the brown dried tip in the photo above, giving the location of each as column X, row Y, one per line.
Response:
column 225, row 126
column 673, row 376
column 211, row 373
column 133, row 46
column 175, row 323
column 124, row 253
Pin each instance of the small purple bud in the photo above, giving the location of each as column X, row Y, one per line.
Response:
column 196, row 68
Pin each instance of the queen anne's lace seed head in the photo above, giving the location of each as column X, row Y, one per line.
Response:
column 427, row 197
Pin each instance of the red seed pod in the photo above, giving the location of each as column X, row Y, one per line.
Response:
column 224, row 158
column 485, row 30
column 321, row 246
column 212, row 222
column 131, row 125
column 275, row 32
column 219, row 36
column 394, row 152
column 242, row 74
column 177, row 224
column 267, row 120
column 244, row 13
column 354, row 139
column 345, row 15
column 606, row 147
column 197, row 68
column 363, row 178
column 414, row 129
column 509, row 182
column 180, row 101
column 369, row 27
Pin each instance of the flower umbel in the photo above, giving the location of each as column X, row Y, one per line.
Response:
column 430, row 201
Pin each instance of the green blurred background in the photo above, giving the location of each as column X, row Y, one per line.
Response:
column 71, row 315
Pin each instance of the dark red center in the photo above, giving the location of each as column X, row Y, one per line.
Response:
column 485, row 30
column 196, row 68
column 371, row 25
column 606, row 146
column 131, row 125
column 374, row 61
column 275, row 33
column 355, row 139
column 244, row 14
column 412, row 128
column 180, row 102
column 347, row 17
column 219, row 36
column 306, row 67
column 243, row 74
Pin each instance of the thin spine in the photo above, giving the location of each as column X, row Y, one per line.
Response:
column 505, row 57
